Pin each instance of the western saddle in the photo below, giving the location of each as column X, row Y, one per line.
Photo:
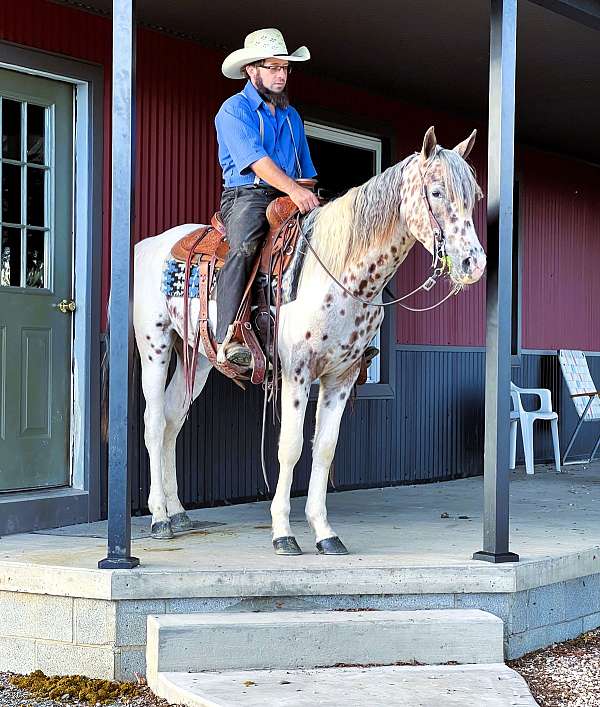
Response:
column 207, row 249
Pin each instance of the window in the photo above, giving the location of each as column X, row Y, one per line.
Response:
column 345, row 159
column 25, row 176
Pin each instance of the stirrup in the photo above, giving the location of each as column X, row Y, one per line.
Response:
column 239, row 354
column 221, row 357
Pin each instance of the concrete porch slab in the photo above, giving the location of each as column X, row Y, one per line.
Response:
column 411, row 549
column 398, row 539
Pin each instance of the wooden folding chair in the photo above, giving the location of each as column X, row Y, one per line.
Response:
column 584, row 395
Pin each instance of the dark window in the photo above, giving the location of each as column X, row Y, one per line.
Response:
column 340, row 167
column 516, row 274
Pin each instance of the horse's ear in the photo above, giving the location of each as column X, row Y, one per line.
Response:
column 429, row 144
column 464, row 148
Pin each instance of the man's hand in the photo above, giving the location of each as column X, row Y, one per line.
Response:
column 304, row 199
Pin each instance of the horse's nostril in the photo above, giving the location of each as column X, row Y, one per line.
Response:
column 466, row 264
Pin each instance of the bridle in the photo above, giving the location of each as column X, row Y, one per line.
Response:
column 439, row 259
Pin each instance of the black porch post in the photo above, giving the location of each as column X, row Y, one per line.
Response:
column 120, row 353
column 503, row 30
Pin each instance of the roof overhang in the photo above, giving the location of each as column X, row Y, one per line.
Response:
column 432, row 52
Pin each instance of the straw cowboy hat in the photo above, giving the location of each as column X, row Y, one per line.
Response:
column 262, row 44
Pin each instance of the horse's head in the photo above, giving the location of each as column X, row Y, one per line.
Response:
column 440, row 194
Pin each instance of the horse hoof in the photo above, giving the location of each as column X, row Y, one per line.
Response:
column 161, row 530
column 331, row 546
column 181, row 521
column 286, row 546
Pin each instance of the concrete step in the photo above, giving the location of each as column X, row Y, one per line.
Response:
column 303, row 639
column 492, row 685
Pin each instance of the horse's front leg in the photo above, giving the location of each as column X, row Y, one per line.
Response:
column 294, row 396
column 333, row 394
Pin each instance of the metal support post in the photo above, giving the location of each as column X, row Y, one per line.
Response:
column 503, row 29
column 120, row 354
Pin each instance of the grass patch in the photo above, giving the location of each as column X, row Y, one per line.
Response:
column 77, row 687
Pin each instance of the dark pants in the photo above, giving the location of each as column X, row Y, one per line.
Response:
column 243, row 210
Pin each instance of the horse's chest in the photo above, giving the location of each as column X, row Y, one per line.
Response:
column 348, row 330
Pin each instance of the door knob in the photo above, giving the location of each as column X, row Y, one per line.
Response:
column 66, row 306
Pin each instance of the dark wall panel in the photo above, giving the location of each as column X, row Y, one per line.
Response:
column 431, row 431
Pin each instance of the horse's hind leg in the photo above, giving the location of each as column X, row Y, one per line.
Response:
column 294, row 397
column 155, row 351
column 176, row 407
column 333, row 394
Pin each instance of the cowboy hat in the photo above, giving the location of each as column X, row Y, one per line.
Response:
column 262, row 44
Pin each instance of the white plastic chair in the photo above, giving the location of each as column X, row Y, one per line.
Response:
column 527, row 417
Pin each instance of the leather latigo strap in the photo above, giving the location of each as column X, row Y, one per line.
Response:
column 259, row 359
column 208, row 342
column 188, row 374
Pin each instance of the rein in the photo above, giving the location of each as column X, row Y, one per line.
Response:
column 439, row 261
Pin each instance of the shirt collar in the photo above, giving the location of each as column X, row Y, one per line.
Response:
column 256, row 99
column 252, row 95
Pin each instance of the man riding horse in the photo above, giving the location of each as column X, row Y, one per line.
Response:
column 262, row 151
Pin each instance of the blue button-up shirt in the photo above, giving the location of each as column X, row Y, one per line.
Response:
column 238, row 134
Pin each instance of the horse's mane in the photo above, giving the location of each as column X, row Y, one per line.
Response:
column 363, row 218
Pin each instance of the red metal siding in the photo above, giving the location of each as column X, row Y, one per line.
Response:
column 179, row 90
column 561, row 253
column 80, row 35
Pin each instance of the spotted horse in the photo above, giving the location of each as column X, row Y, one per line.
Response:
column 358, row 242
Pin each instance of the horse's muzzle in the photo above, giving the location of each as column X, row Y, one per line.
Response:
column 471, row 269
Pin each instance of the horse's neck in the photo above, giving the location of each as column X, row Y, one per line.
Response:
column 376, row 260
column 367, row 276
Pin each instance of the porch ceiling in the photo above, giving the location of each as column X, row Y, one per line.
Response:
column 432, row 52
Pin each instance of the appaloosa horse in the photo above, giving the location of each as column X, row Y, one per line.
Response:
column 360, row 239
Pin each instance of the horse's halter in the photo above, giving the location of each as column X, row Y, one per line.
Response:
column 439, row 258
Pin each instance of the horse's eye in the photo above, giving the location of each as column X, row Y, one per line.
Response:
column 436, row 193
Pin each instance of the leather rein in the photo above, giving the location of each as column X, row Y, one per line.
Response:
column 439, row 261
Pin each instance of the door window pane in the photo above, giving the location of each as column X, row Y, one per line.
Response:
column 11, row 129
column 11, row 193
column 35, row 259
column 10, row 257
column 35, row 196
column 36, row 133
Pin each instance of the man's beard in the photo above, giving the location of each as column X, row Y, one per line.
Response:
column 279, row 100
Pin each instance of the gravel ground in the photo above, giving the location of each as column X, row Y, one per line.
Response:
column 11, row 696
column 564, row 674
